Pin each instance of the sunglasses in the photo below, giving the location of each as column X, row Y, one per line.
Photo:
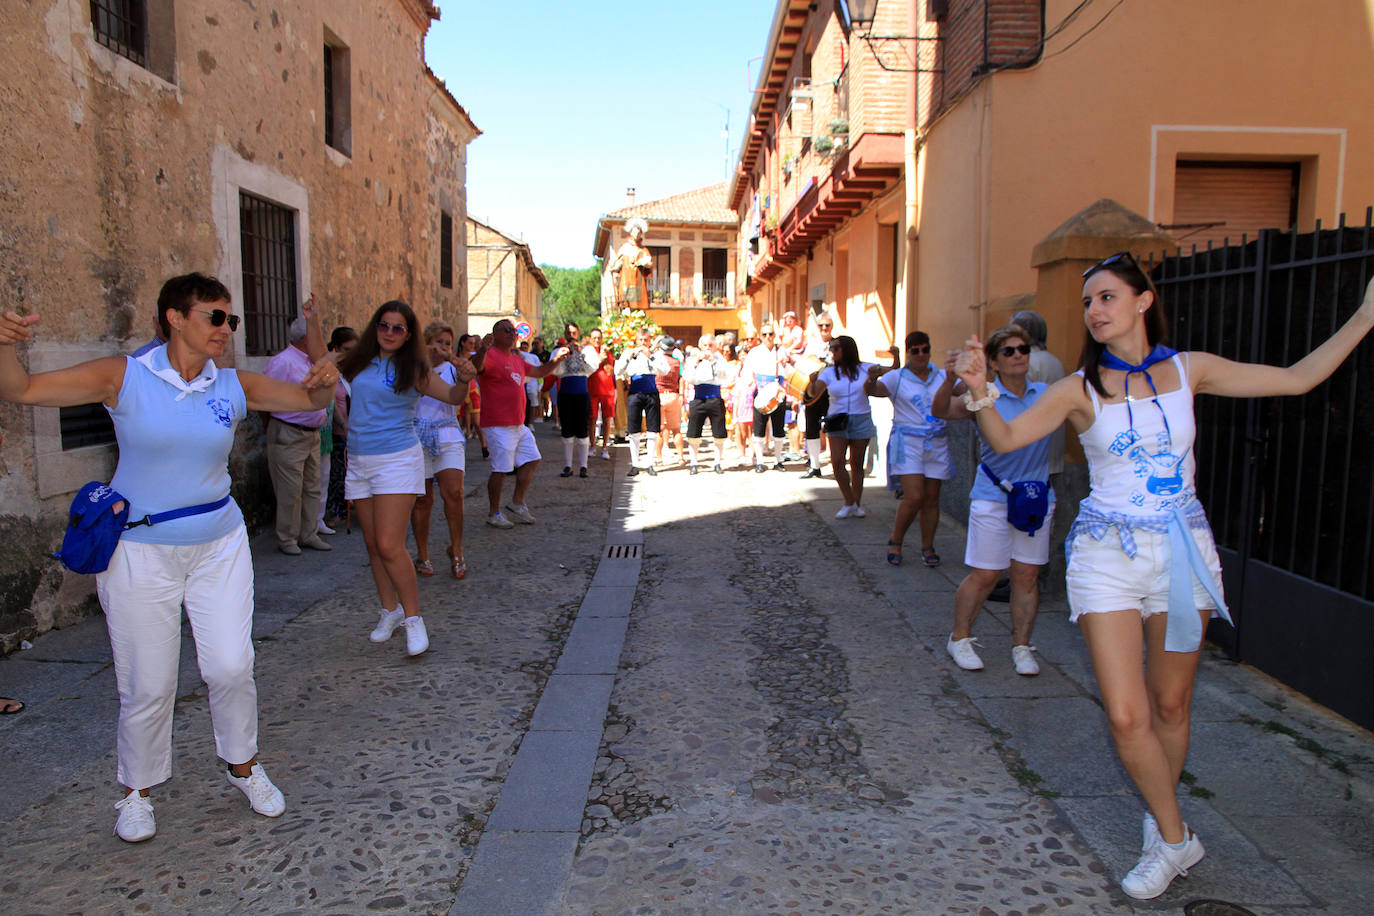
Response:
column 385, row 328
column 1023, row 349
column 767, row 333
column 825, row 327
column 1120, row 256
column 921, row 348
column 218, row 317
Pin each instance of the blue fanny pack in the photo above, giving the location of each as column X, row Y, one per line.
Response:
column 1028, row 502
column 97, row 519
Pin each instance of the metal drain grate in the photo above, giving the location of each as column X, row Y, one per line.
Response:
column 622, row 552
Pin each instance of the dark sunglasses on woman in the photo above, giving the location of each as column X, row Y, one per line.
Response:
column 1023, row 349
column 1125, row 256
column 219, row 316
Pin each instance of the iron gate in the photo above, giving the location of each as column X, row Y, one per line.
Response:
column 1288, row 482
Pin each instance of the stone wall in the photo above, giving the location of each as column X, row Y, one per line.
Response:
column 119, row 175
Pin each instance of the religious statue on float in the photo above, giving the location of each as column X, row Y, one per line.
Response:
column 631, row 267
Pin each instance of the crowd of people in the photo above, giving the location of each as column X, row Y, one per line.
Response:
column 368, row 426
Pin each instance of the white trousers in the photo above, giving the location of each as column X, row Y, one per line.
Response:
column 142, row 593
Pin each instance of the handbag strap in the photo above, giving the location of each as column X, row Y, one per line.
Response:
column 997, row 481
column 173, row 514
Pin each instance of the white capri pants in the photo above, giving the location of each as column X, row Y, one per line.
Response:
column 142, row 593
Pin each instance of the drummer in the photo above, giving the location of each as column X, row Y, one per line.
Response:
column 706, row 372
column 764, row 365
column 639, row 366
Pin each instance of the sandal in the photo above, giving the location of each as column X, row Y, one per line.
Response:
column 460, row 565
column 9, row 707
column 424, row 568
column 894, row 558
column 930, row 557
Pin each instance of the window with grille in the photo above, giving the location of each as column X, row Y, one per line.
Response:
column 85, row 425
column 267, row 236
column 122, row 26
column 445, row 250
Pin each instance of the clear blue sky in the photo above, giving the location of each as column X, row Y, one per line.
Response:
column 577, row 102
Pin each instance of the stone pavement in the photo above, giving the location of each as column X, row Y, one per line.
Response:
column 672, row 695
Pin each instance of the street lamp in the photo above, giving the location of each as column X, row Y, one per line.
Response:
column 861, row 13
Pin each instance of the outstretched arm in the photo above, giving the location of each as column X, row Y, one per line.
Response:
column 1212, row 374
column 1065, row 400
column 314, row 392
column 84, row 383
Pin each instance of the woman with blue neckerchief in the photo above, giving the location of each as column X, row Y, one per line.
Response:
column 386, row 464
column 918, row 457
column 445, row 457
column 174, row 414
column 1143, row 573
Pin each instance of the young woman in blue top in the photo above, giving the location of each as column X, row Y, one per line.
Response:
column 386, row 465
column 174, row 415
column 1141, row 528
column 994, row 544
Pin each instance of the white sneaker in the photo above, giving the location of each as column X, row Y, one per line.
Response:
column 859, row 512
column 417, row 638
column 1159, row 865
column 265, row 798
column 498, row 520
column 521, row 513
column 136, row 822
column 961, row 650
column 1024, row 660
column 387, row 625
column 322, row 528
column 605, row 454
column 845, row 512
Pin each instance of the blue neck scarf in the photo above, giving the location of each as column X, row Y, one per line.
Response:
column 1159, row 354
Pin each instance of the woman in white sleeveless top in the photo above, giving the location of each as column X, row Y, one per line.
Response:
column 1141, row 530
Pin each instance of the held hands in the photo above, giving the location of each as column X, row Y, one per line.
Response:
column 466, row 370
column 308, row 307
column 323, row 374
column 14, row 327
column 972, row 367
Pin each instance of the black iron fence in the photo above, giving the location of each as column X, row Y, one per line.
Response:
column 1287, row 481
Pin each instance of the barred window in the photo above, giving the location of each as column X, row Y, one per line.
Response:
column 267, row 234
column 85, row 425
column 445, row 250
column 122, row 26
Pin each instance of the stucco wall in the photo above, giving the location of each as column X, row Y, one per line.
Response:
column 1109, row 117
column 116, row 178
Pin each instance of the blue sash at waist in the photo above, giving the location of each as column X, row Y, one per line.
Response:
column 706, row 391
column 1183, row 632
column 643, row 384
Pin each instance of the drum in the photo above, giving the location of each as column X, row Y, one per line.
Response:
column 768, row 399
column 799, row 376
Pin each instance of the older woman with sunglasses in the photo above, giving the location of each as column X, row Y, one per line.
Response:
column 1143, row 573
column 386, row 464
column 849, row 422
column 174, row 415
column 995, row 543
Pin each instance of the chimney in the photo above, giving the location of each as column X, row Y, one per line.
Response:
column 630, row 196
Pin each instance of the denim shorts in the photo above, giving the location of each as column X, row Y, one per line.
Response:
column 860, row 426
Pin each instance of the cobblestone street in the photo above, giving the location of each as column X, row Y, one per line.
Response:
column 781, row 732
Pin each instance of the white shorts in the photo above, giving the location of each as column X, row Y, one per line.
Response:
column 452, row 453
column 380, row 475
column 532, row 393
column 927, row 457
column 1102, row 578
column 511, row 447
column 993, row 543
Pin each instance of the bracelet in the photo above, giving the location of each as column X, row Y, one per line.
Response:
column 985, row 401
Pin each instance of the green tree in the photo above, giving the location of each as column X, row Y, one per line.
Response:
column 574, row 294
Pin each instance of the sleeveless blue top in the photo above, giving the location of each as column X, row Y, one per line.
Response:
column 381, row 421
column 174, row 450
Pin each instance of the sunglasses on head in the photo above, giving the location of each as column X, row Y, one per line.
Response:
column 1119, row 257
column 1023, row 349
column 385, row 328
column 218, row 317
